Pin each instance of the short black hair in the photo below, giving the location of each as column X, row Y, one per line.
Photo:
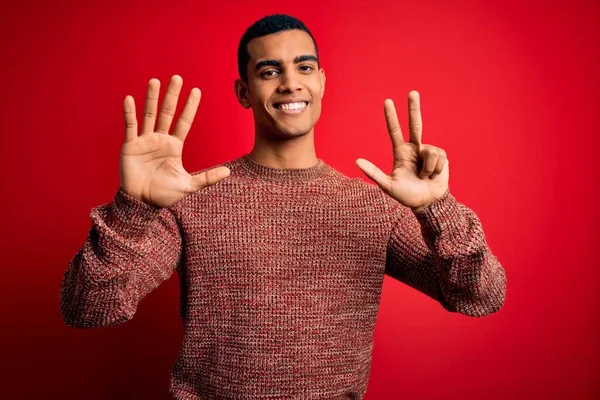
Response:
column 266, row 26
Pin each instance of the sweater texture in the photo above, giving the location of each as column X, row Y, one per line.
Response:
column 281, row 272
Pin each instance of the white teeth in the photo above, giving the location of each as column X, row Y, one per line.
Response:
column 292, row 106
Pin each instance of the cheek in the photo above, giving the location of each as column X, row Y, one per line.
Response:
column 317, row 95
column 259, row 94
column 317, row 90
column 316, row 110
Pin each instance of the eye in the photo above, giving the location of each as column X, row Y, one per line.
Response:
column 306, row 68
column 268, row 73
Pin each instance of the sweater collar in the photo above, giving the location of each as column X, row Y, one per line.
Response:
column 283, row 174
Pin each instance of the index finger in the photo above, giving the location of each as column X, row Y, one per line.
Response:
column 187, row 115
column 130, row 119
column 414, row 117
column 393, row 126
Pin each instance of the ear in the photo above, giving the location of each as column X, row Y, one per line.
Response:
column 241, row 91
column 323, row 79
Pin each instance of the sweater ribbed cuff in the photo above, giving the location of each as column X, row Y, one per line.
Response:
column 440, row 214
column 129, row 216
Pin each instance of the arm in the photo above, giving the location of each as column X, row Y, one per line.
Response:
column 436, row 245
column 135, row 242
column 131, row 248
column 441, row 251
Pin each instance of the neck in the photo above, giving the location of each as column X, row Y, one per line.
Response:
column 295, row 153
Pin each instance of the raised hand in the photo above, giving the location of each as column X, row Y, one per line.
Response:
column 151, row 167
column 420, row 172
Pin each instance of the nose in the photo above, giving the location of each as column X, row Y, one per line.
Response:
column 290, row 82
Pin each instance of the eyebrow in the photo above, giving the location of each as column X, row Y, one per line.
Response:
column 278, row 63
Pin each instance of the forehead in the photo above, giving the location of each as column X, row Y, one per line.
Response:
column 283, row 45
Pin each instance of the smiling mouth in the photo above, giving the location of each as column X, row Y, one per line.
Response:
column 291, row 108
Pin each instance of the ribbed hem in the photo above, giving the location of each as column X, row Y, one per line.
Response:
column 132, row 216
column 263, row 172
column 437, row 216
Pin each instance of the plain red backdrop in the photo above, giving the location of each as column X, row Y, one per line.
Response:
column 509, row 90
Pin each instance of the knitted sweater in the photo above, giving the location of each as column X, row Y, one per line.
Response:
column 281, row 273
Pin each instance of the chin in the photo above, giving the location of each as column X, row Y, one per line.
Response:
column 287, row 131
column 293, row 132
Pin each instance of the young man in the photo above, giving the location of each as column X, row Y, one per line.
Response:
column 281, row 257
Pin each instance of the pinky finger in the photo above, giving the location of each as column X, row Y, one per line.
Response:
column 130, row 119
column 439, row 167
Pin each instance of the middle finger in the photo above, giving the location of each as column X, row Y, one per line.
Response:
column 169, row 104
column 414, row 117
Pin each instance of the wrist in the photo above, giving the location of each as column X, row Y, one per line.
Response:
column 431, row 202
column 422, row 207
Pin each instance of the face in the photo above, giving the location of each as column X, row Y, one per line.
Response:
column 285, row 85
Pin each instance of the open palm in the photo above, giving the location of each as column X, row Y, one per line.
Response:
column 151, row 163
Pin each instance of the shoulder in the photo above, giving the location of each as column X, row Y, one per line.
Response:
column 360, row 187
column 365, row 197
column 353, row 183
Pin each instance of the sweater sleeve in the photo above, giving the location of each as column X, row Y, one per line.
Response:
column 131, row 248
column 441, row 251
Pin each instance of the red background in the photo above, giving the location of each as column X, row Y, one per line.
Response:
column 509, row 90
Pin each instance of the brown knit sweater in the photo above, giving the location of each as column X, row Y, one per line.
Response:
column 281, row 274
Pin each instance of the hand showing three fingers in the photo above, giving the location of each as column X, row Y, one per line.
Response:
column 420, row 172
column 151, row 163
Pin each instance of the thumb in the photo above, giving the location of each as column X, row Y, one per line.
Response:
column 208, row 178
column 375, row 174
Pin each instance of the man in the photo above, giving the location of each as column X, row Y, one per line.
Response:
column 281, row 257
